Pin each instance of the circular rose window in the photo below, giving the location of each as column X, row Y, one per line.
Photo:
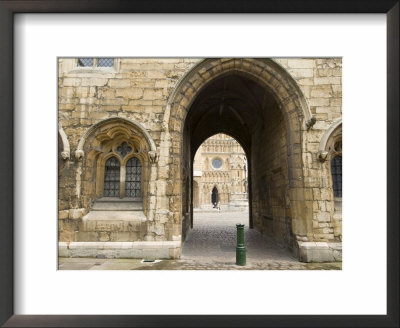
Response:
column 216, row 163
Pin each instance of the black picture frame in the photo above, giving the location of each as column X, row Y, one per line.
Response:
column 7, row 11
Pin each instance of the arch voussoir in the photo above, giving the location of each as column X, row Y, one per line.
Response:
column 227, row 64
column 290, row 101
column 196, row 80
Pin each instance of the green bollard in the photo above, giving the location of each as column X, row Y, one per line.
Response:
column 240, row 247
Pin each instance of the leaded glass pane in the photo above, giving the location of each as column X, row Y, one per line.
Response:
column 85, row 62
column 336, row 169
column 105, row 62
column 111, row 177
column 133, row 178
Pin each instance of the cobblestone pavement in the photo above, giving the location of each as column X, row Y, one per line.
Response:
column 211, row 245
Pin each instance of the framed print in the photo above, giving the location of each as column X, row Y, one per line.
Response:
column 131, row 98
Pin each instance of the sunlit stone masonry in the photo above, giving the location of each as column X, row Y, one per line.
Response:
column 129, row 129
column 220, row 175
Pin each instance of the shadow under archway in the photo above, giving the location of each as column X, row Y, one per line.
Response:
column 258, row 103
column 237, row 105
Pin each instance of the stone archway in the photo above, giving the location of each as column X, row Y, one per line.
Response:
column 260, row 105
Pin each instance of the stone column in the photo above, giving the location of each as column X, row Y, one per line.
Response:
column 122, row 179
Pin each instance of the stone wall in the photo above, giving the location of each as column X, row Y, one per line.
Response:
column 271, row 205
column 321, row 82
column 136, row 89
column 158, row 93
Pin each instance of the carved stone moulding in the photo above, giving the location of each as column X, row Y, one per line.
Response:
column 331, row 142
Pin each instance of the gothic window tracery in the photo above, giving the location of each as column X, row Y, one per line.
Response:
column 113, row 178
column 117, row 156
column 124, row 149
column 216, row 163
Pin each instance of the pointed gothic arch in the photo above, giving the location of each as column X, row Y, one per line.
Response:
column 126, row 141
column 283, row 94
column 135, row 127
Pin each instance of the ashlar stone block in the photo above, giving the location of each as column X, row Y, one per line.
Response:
column 129, row 93
column 94, row 81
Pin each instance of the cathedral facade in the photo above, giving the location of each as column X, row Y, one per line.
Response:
column 129, row 130
column 220, row 175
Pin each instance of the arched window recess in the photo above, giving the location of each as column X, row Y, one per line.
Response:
column 331, row 142
column 112, row 141
column 110, row 129
column 331, row 150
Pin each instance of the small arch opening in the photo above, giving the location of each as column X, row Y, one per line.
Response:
column 214, row 197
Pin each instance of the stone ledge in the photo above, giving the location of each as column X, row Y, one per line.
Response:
column 320, row 251
column 134, row 216
column 72, row 214
column 136, row 249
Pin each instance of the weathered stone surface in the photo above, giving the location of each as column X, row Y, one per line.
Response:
column 130, row 93
column 301, row 63
column 63, row 214
column 94, row 81
column 302, row 73
column 291, row 189
column 76, row 213
column 152, row 94
column 71, row 82
column 319, row 251
column 149, row 249
column 119, row 83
